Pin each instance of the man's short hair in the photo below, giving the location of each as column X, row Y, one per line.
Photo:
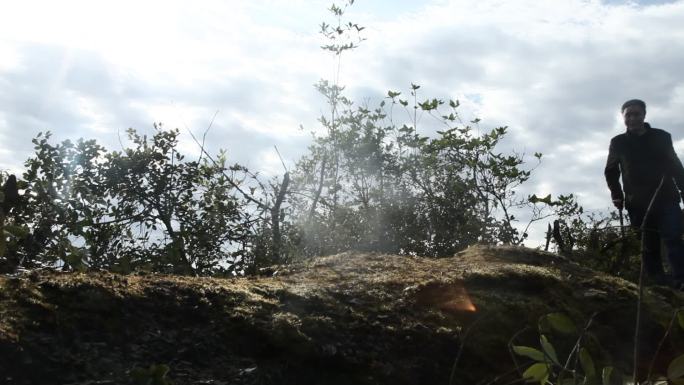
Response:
column 634, row 102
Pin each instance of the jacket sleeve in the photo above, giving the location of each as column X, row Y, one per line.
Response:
column 612, row 173
column 675, row 168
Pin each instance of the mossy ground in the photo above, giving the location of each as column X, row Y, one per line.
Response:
column 351, row 318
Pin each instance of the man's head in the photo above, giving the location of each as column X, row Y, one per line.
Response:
column 634, row 113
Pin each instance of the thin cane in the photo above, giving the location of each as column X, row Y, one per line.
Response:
column 623, row 244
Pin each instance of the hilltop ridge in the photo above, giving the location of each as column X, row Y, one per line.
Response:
column 352, row 318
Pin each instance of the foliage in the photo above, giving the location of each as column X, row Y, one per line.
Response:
column 373, row 181
column 374, row 185
column 595, row 239
column 190, row 201
column 143, row 207
column 580, row 365
column 343, row 36
column 65, row 191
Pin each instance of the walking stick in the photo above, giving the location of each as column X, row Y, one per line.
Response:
column 623, row 244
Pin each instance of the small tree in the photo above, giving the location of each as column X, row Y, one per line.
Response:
column 145, row 206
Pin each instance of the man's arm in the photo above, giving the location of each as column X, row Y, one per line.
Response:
column 675, row 168
column 612, row 173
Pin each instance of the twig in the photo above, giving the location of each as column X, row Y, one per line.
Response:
column 118, row 133
column 316, row 198
column 660, row 344
column 579, row 339
column 204, row 136
column 575, row 348
column 460, row 348
column 510, row 348
column 275, row 218
column 281, row 158
column 228, row 177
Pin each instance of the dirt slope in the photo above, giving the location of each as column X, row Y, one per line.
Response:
column 351, row 318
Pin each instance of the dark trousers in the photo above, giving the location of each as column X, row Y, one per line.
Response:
column 664, row 223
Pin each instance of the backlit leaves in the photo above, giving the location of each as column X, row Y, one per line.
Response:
column 530, row 352
column 538, row 372
column 675, row 371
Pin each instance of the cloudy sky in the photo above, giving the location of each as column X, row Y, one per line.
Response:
column 555, row 72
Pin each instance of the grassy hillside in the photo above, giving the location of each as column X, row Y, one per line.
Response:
column 351, row 318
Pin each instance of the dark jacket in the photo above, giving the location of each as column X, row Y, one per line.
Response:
column 643, row 160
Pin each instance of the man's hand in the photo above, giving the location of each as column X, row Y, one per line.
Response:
column 619, row 204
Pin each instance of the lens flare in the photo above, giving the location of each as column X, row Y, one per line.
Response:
column 451, row 297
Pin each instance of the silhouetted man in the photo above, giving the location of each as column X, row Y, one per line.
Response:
column 645, row 156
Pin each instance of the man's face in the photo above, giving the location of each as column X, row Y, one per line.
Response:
column 634, row 118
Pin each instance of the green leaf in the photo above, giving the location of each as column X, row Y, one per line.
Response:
column 529, row 352
column 587, row 363
column 605, row 375
column 549, row 350
column 680, row 318
column 561, row 323
column 536, row 373
column 675, row 370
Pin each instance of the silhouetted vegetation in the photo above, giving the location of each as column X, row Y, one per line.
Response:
column 375, row 179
